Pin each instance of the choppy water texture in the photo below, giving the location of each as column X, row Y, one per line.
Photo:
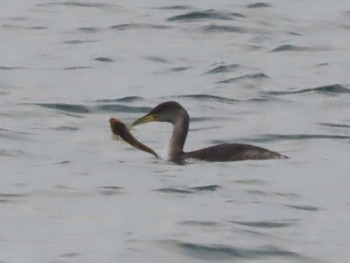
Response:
column 271, row 73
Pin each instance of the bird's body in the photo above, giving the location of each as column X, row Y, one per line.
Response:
column 175, row 114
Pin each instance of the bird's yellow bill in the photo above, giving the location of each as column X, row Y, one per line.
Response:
column 145, row 119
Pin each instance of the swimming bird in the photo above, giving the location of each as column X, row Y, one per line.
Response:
column 119, row 129
column 174, row 113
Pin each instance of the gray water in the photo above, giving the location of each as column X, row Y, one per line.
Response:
column 272, row 73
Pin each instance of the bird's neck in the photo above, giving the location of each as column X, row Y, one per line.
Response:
column 178, row 137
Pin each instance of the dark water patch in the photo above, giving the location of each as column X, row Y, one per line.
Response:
column 157, row 59
column 256, row 76
column 173, row 190
column 267, row 224
column 335, row 125
column 24, row 27
column 9, row 198
column 251, row 182
column 292, row 195
column 109, row 190
column 69, row 255
column 323, row 64
column 200, row 223
column 90, row 29
column 86, row 4
column 333, row 89
column 223, row 69
column 304, row 207
column 259, row 5
column 180, row 69
column 202, row 15
column 223, row 29
column 66, row 128
column 175, row 7
column 296, row 137
column 200, row 119
column 78, row 42
column 213, row 187
column 206, row 97
column 293, row 48
column 65, row 162
column 104, row 59
column 122, row 108
column 258, row 192
column 223, row 252
column 189, row 190
column 11, row 68
column 123, row 99
column 71, row 108
column 122, row 27
column 76, row 68
column 294, row 34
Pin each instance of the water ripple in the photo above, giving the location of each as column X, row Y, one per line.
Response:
column 223, row 69
column 132, row 26
column 245, row 77
column 202, row 97
column 189, row 190
column 199, row 15
column 73, row 108
column 304, row 207
column 228, row 29
column 333, row 89
column 281, row 137
column 258, row 5
column 223, row 252
column 286, row 47
column 267, row 224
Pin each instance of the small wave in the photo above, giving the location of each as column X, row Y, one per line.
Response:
column 293, row 48
column 123, row 99
column 174, row 190
column 245, row 77
column 175, row 7
column 258, row 5
column 109, row 190
column 104, row 59
column 207, row 97
column 65, row 128
column 157, row 59
column 304, row 207
column 77, row 68
column 220, row 29
column 75, row 4
column 328, row 90
column 223, row 69
column 213, row 187
column 199, row 15
column 200, row 223
column 281, row 137
column 223, row 252
column 335, row 125
column 122, row 27
column 88, row 29
column 73, row 108
column 266, row 224
column 122, row 108
column 189, row 190
column 78, row 42
column 9, row 198
column 11, row 68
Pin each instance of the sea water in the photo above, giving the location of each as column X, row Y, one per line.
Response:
column 273, row 74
